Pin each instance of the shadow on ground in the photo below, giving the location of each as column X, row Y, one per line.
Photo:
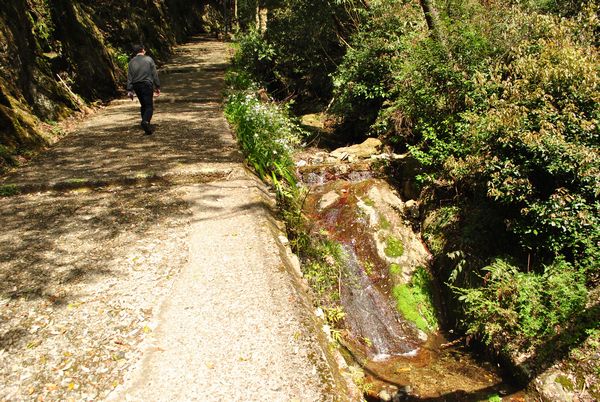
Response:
column 191, row 133
column 50, row 242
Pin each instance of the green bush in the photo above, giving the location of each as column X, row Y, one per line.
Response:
column 266, row 133
column 301, row 47
column 526, row 304
column 322, row 268
column 532, row 145
column 121, row 59
column 254, row 56
column 239, row 80
column 42, row 25
column 506, row 107
column 506, row 110
column 364, row 79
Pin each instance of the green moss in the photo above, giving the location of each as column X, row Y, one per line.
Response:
column 393, row 247
column 369, row 202
column 384, row 223
column 414, row 301
column 8, row 190
column 565, row 382
column 395, row 269
column 369, row 267
column 77, row 181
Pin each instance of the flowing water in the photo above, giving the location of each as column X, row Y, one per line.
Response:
column 369, row 314
column 400, row 361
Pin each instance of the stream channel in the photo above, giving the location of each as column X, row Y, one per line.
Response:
column 381, row 253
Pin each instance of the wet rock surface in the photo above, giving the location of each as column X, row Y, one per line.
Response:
column 400, row 361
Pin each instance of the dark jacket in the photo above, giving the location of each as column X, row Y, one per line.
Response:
column 142, row 69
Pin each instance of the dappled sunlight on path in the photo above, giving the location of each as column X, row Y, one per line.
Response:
column 191, row 135
column 151, row 264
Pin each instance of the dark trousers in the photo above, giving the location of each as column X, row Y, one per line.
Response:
column 145, row 94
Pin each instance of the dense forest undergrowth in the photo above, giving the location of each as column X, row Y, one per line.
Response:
column 498, row 102
column 59, row 56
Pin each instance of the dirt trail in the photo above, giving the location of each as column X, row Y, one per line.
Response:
column 158, row 275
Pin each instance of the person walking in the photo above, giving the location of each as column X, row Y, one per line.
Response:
column 142, row 79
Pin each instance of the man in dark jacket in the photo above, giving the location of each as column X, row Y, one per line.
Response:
column 142, row 79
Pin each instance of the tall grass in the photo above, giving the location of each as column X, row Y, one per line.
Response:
column 266, row 133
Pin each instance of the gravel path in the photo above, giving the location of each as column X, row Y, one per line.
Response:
column 230, row 330
column 158, row 274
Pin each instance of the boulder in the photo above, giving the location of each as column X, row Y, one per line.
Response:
column 360, row 151
column 554, row 386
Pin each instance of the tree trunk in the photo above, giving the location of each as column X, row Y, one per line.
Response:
column 433, row 22
column 236, row 20
column 261, row 17
column 431, row 16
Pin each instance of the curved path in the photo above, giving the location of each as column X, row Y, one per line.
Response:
column 149, row 267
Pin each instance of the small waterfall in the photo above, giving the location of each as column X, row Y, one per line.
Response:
column 399, row 362
column 370, row 316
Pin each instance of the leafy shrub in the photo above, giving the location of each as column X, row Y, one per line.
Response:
column 266, row 134
column 239, row 80
column 505, row 110
column 322, row 268
column 533, row 142
column 363, row 81
column 254, row 55
column 436, row 226
column 41, row 22
column 306, row 35
column 121, row 59
column 507, row 107
column 529, row 305
column 301, row 47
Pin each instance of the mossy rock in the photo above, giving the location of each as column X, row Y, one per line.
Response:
column 384, row 223
column 393, row 247
column 565, row 382
column 395, row 269
column 415, row 303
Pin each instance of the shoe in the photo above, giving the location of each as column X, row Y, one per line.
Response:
column 147, row 128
